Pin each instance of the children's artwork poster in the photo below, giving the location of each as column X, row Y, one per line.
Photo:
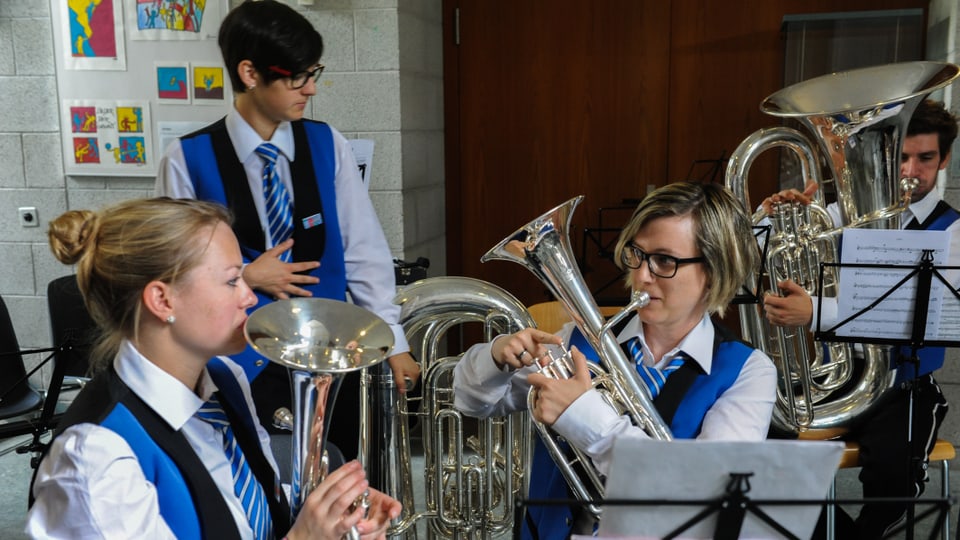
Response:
column 173, row 82
column 92, row 33
column 208, row 85
column 109, row 138
column 174, row 19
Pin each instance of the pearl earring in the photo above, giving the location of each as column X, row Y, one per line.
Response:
column 171, row 319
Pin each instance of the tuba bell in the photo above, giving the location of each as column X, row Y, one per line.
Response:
column 319, row 340
column 858, row 119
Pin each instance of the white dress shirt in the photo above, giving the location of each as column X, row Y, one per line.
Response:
column 366, row 254
column 742, row 413
column 90, row 484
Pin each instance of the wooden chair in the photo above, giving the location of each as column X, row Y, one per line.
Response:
column 551, row 316
column 943, row 451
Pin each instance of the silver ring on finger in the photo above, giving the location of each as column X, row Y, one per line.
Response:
column 520, row 356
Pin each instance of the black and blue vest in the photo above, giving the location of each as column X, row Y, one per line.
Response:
column 930, row 358
column 682, row 403
column 186, row 493
column 218, row 176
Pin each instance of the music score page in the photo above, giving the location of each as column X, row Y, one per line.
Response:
column 893, row 317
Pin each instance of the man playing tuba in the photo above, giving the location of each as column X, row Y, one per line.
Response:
column 678, row 248
column 884, row 450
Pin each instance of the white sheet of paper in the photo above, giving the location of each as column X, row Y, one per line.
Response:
column 700, row 470
column 167, row 132
column 363, row 152
column 859, row 287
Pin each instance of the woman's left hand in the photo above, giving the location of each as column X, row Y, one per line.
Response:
column 553, row 396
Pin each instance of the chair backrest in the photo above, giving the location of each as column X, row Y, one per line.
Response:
column 17, row 396
column 70, row 323
column 551, row 316
column 12, row 368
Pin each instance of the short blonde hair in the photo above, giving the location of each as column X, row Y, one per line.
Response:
column 122, row 248
column 724, row 235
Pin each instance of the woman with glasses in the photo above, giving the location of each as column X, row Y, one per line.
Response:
column 691, row 248
column 303, row 216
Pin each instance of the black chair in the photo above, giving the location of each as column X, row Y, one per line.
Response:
column 72, row 328
column 17, row 396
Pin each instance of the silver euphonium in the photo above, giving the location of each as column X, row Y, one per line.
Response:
column 543, row 247
column 471, row 481
column 858, row 119
column 320, row 341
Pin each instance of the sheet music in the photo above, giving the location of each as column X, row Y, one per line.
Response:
column 859, row 287
column 700, row 470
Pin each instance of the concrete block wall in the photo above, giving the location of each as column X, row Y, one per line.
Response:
column 365, row 92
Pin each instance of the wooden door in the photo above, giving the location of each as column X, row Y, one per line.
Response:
column 547, row 100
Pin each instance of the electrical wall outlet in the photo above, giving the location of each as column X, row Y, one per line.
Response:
column 29, row 216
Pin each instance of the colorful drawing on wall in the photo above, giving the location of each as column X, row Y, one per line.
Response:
column 128, row 150
column 175, row 19
column 123, row 132
column 130, row 119
column 177, row 15
column 92, row 33
column 83, row 119
column 85, row 150
column 173, row 84
column 208, row 84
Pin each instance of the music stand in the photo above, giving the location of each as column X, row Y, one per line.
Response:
column 922, row 274
column 40, row 425
column 720, row 473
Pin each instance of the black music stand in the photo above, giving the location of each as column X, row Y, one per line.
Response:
column 734, row 506
column 761, row 233
column 30, row 422
column 718, row 489
column 923, row 272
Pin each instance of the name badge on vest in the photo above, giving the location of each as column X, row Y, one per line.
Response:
column 312, row 221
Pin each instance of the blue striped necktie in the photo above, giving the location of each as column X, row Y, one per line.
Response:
column 654, row 378
column 245, row 485
column 276, row 199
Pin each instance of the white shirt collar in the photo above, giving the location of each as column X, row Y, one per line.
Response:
column 163, row 393
column 923, row 208
column 246, row 140
column 697, row 344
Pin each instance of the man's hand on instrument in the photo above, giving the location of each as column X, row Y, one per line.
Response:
column 270, row 275
column 405, row 369
column 793, row 308
column 553, row 396
column 802, row 197
column 523, row 348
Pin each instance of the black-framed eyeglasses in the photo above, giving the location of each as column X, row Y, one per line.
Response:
column 297, row 81
column 660, row 265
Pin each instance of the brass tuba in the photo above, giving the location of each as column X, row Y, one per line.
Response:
column 471, row 481
column 858, row 119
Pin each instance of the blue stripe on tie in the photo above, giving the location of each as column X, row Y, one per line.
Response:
column 245, row 486
column 652, row 377
column 276, row 199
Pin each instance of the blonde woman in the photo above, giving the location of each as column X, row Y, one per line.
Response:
column 134, row 455
column 690, row 247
